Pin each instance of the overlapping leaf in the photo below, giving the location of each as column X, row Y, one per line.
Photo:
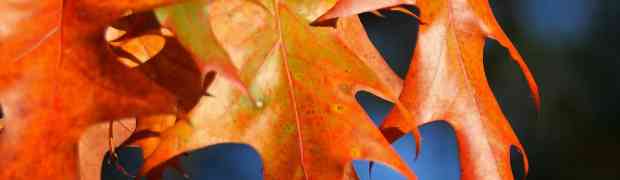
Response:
column 58, row 79
column 446, row 81
column 289, row 88
column 303, row 119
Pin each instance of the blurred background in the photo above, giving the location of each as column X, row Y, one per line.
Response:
column 570, row 46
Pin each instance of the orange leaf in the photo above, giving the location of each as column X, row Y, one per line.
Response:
column 446, row 81
column 305, row 121
column 289, row 93
column 58, row 79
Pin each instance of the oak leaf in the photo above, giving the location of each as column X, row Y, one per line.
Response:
column 303, row 118
column 59, row 79
column 240, row 71
column 446, row 81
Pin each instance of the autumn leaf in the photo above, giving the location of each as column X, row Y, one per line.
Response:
column 446, row 81
column 178, row 71
column 190, row 25
column 187, row 84
column 303, row 123
column 351, row 31
column 76, row 73
column 59, row 79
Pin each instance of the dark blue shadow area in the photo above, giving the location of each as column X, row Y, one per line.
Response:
column 516, row 162
column 394, row 35
column 129, row 158
column 514, row 98
column 438, row 158
column 223, row 161
column 510, row 88
column 375, row 107
column 556, row 24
